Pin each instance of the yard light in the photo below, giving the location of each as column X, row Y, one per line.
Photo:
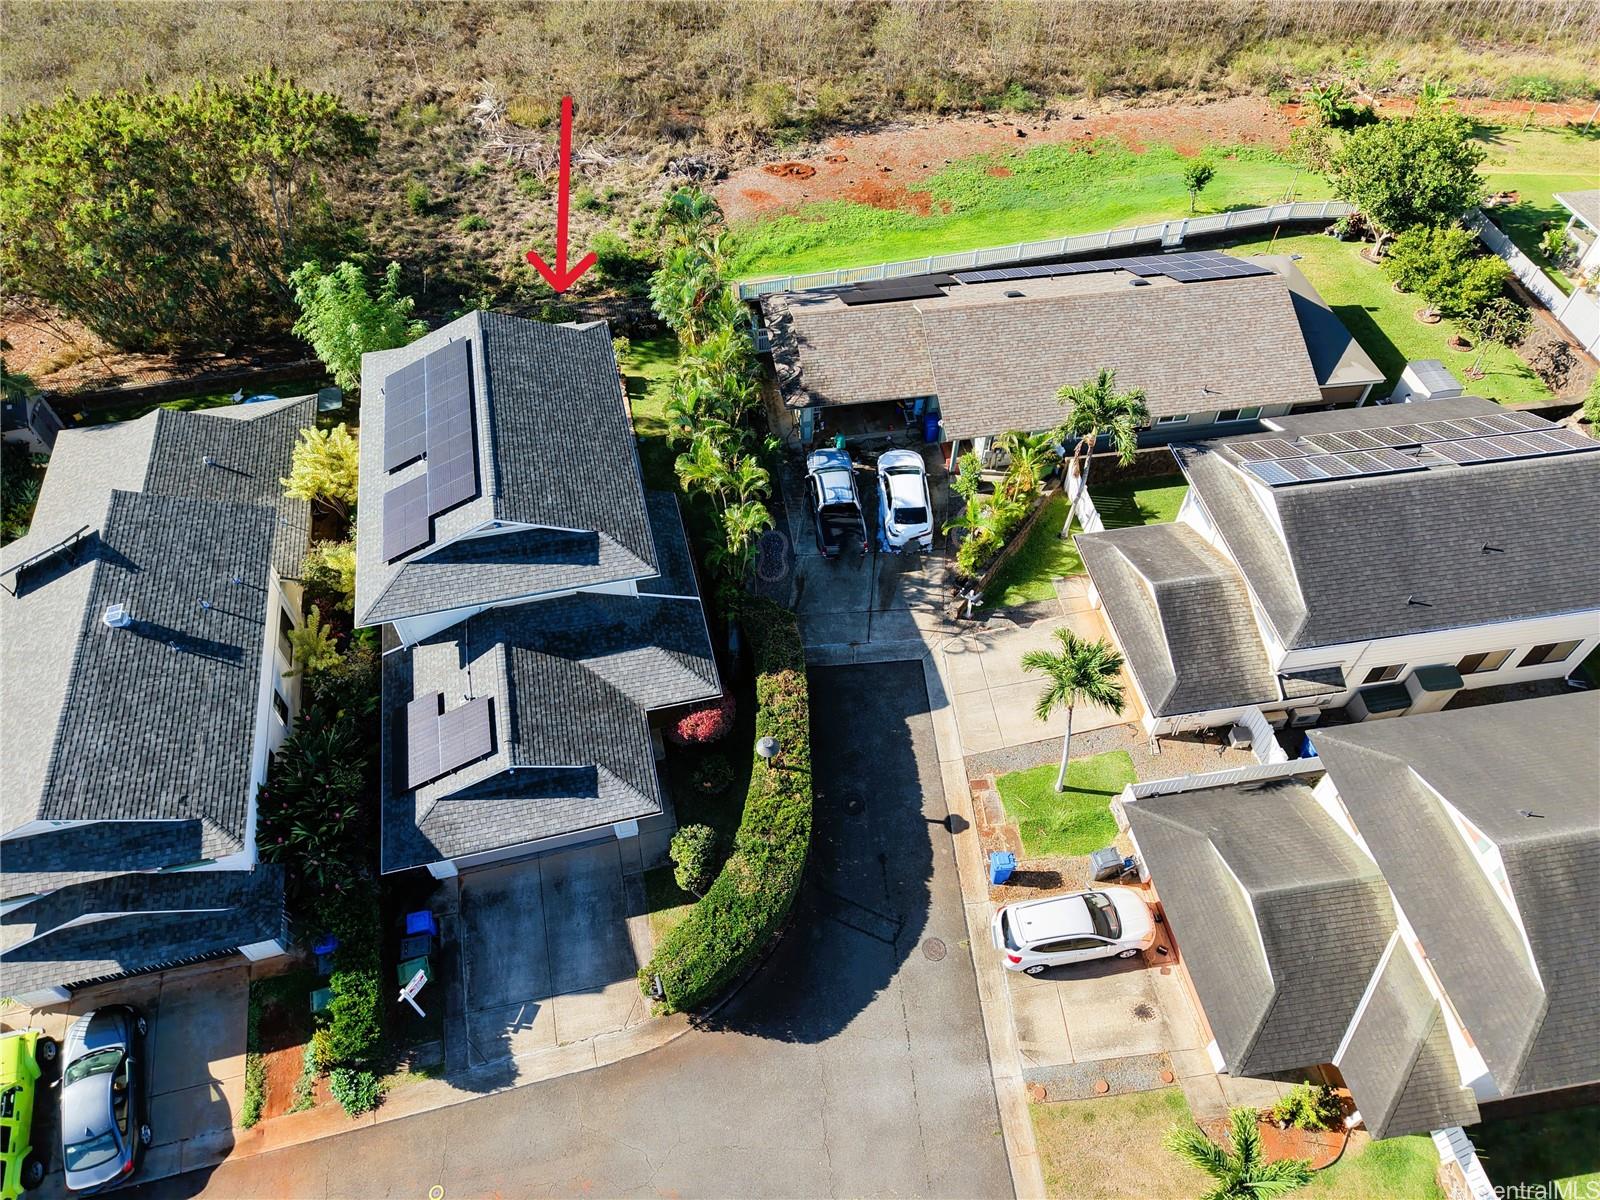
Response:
column 767, row 749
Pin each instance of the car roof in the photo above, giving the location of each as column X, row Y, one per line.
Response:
column 906, row 490
column 827, row 459
column 1055, row 917
column 900, row 458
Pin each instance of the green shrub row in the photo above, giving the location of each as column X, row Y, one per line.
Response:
column 749, row 900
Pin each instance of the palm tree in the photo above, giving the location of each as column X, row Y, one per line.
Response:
column 703, row 468
column 1242, row 1173
column 1031, row 455
column 741, row 525
column 1095, row 409
column 748, row 480
column 688, row 215
column 1081, row 672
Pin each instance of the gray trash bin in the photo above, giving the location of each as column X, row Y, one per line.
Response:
column 1105, row 864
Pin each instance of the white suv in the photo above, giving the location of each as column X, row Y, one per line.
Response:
column 1112, row 922
column 905, row 513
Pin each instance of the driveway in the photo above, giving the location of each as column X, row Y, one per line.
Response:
column 853, row 1064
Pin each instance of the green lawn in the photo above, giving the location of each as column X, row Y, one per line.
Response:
column 1030, row 574
column 132, row 410
column 1558, row 1147
column 646, row 372
column 1051, row 191
column 1384, row 321
column 1537, row 163
column 665, row 901
column 1398, row 1168
column 1111, row 1148
column 1076, row 821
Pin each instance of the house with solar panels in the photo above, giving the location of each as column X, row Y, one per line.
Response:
column 540, row 609
column 1374, row 561
column 1216, row 342
column 145, row 662
column 1410, row 912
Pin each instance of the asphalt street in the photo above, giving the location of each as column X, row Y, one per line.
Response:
column 853, row 1064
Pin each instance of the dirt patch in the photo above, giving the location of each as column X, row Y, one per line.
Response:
column 283, row 1043
column 792, row 170
column 1320, row 1148
column 1000, row 172
column 881, row 194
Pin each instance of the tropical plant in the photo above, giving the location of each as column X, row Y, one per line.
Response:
column 1417, row 170
column 1080, row 672
column 1307, row 1105
column 343, row 320
column 329, row 573
column 325, row 469
column 1033, row 456
column 1095, row 409
column 1241, row 1171
column 1195, row 177
column 1501, row 322
column 693, row 852
column 689, row 294
column 1445, row 266
column 965, row 484
column 688, row 216
column 1557, row 246
column 1591, row 407
column 742, row 524
column 356, row 1089
column 314, row 645
column 1335, row 108
column 1435, row 93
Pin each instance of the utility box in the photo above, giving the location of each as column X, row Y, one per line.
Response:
column 1105, row 864
column 1425, row 379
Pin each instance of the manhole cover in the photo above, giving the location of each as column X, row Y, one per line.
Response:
column 933, row 949
column 1144, row 1012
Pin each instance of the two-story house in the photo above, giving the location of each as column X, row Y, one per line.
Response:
column 540, row 608
column 1378, row 560
column 146, row 681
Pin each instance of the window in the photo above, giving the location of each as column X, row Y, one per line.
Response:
column 1104, row 915
column 1177, row 420
column 1384, row 674
column 1549, row 652
column 1068, row 945
column 1228, row 415
column 280, row 707
column 1477, row 664
column 285, row 646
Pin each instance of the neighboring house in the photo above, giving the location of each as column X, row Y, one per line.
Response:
column 539, row 604
column 1378, row 560
column 1583, row 226
column 145, row 667
column 1414, row 909
column 1212, row 340
column 28, row 421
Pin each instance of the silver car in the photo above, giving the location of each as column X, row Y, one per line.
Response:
column 103, row 1123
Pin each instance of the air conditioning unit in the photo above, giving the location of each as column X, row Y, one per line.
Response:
column 1239, row 737
column 1302, row 717
column 1278, row 720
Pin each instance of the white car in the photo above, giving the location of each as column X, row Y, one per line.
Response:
column 904, row 510
column 1111, row 922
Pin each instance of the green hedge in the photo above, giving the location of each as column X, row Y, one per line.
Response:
column 749, row 900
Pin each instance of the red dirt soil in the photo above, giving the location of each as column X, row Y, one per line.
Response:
column 842, row 165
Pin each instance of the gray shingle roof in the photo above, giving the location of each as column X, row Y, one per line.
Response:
column 1414, row 561
column 1536, row 1024
column 79, row 853
column 149, row 920
column 570, row 682
column 1279, row 917
column 1370, row 416
column 996, row 361
column 554, row 449
column 1182, row 617
column 1398, row 1063
column 1584, row 205
column 677, row 576
column 1336, row 357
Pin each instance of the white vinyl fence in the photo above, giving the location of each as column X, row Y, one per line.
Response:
column 1578, row 313
column 1454, row 1146
column 1165, row 234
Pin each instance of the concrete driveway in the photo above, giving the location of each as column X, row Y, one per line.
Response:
column 852, row 1064
column 550, row 951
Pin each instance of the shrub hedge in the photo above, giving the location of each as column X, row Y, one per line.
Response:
column 749, row 900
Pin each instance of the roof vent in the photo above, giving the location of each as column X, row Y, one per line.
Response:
column 206, row 605
column 1013, row 294
column 208, row 460
column 1136, row 281
column 117, row 617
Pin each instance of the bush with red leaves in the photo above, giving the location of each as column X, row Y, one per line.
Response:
column 704, row 725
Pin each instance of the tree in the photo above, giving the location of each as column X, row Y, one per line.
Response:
column 688, row 292
column 687, row 216
column 1081, row 672
column 313, row 644
column 1445, row 265
column 1501, row 322
column 170, row 222
column 1095, row 409
column 1417, row 170
column 342, row 320
column 324, row 469
column 1242, row 1171
column 1195, row 177
column 693, row 852
column 741, row 525
column 329, row 572
column 1033, row 456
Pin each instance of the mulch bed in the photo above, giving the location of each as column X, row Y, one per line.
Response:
column 1321, row 1149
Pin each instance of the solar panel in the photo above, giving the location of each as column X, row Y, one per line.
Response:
column 1527, row 420
column 422, row 739
column 1500, row 423
column 1393, row 460
column 1572, row 439
column 465, row 733
column 1335, row 465
column 1301, row 469
column 1543, row 442
column 915, row 288
column 1411, row 435
column 1361, row 440
column 404, row 416
column 1271, row 473
column 1265, row 449
column 452, row 452
column 1476, row 427
column 405, row 518
column 1388, row 437
column 1197, row 267
column 1333, row 443
column 1504, row 446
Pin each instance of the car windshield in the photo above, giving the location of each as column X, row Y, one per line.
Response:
column 910, row 516
column 90, row 1153
column 97, row 1063
column 1104, row 915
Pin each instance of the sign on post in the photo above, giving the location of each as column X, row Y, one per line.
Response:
column 409, row 992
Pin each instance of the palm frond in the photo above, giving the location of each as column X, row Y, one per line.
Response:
column 1245, row 1131
column 1190, row 1143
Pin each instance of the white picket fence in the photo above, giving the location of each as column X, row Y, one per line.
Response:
column 1578, row 313
column 1454, row 1146
column 1165, row 234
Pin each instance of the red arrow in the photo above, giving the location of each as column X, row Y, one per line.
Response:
column 561, row 277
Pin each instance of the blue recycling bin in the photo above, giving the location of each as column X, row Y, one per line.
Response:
column 930, row 427
column 421, row 922
column 1001, row 864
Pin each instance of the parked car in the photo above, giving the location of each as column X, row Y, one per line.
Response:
column 23, row 1055
column 103, row 1124
column 905, row 511
column 835, row 501
column 1111, row 922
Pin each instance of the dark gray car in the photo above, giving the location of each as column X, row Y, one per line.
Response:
column 103, row 1123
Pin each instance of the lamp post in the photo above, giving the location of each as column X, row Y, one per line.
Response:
column 767, row 750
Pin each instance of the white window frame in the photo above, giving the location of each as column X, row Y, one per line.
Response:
column 1399, row 669
column 1481, row 669
column 1248, row 413
column 1180, row 419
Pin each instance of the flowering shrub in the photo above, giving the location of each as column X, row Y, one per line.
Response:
column 704, row 725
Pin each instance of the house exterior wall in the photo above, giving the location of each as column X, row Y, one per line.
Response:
column 1354, row 394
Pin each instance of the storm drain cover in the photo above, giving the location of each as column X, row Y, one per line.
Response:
column 933, row 949
column 1144, row 1012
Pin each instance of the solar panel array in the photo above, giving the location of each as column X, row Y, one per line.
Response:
column 1196, row 267
column 911, row 287
column 428, row 414
column 1391, row 449
column 438, row 743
